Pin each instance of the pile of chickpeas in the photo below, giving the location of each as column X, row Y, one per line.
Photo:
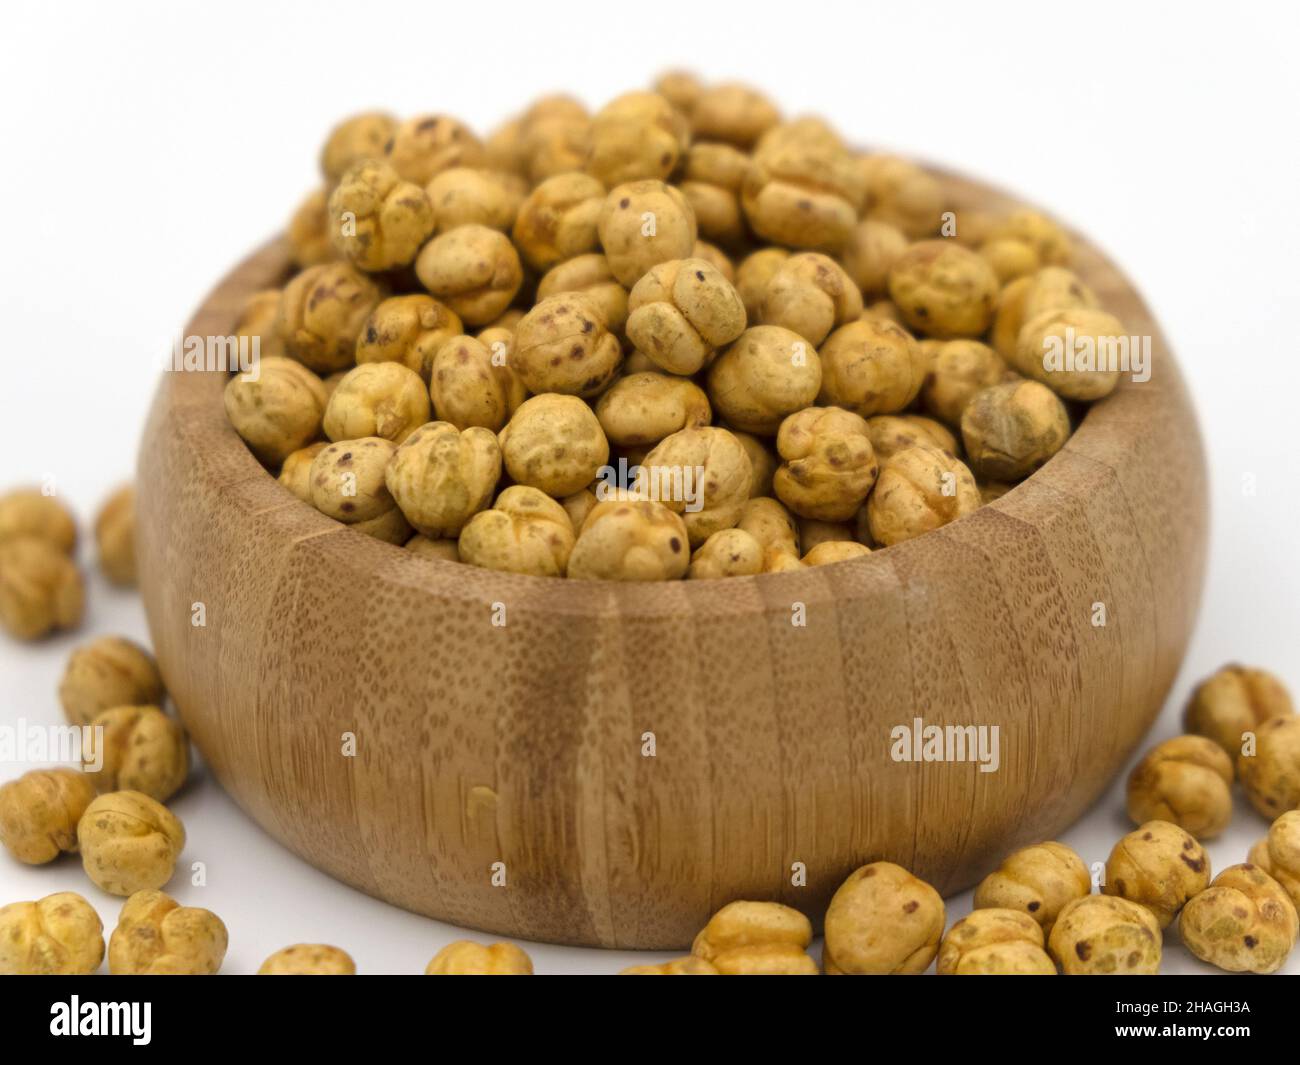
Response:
column 684, row 284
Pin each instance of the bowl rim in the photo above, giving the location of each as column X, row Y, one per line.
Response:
column 1092, row 441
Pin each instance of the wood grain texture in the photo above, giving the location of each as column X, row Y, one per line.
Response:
column 521, row 744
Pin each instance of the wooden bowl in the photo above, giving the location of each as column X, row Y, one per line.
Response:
column 485, row 752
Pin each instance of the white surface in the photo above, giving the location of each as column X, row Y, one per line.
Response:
column 148, row 148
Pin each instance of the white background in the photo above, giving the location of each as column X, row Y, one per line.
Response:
column 147, row 148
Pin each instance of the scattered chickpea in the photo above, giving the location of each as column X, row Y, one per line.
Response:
column 383, row 399
column 1234, row 701
column 524, row 531
column 466, row 958
column 129, row 842
column 630, row 540
column 882, row 920
column 554, row 443
column 409, row 330
column 41, row 589
column 39, row 813
column 1159, row 866
column 30, row 513
column 957, row 370
column 919, row 489
column 59, row 935
column 1243, row 922
column 1040, row 880
column 309, row 959
column 995, row 942
column 1100, row 935
column 142, row 750
column 1270, row 774
column 115, row 537
column 1278, row 854
column 295, row 472
column 442, row 476
column 756, row 939
column 719, row 473
column 1186, row 781
column 689, row 966
column 1012, row 429
column 108, row 672
column 156, row 936
column 474, row 270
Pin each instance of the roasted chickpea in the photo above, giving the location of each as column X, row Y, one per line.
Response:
column 1040, row 880
column 321, row 314
column 1070, row 350
column 39, row 813
column 471, row 385
column 357, row 138
column 702, row 474
column 830, row 551
column 115, row 537
column 1270, row 774
column 882, row 920
column 641, row 409
column 108, row 672
column 768, row 522
column 60, row 935
column 474, row 270
column 554, row 443
column 129, row 842
column 943, row 289
column 753, row 274
column 466, row 958
column 142, row 750
column 557, row 220
column 563, row 345
column 902, row 194
column 1012, row 429
column 524, row 531
column 642, row 224
column 447, row 550
column 1050, row 243
column 347, row 480
column 409, row 330
column 711, row 184
column 384, row 399
column 892, row 433
column 278, row 412
column 995, row 943
column 308, row 231
column 918, row 490
column 442, row 476
column 1099, row 935
column 1158, row 866
column 1186, row 781
column 681, row 312
column 767, row 374
column 869, row 254
column 630, row 540
column 295, row 473
column 468, row 196
column 871, row 367
column 1244, row 922
column 1234, row 701
column 378, row 221
column 29, row 512
column 727, row 553
column 733, row 113
column 1278, row 854
column 156, row 936
column 590, row 276
column 309, row 959
column 1052, row 288
column 810, row 294
column 756, row 939
column 41, row 589
column 689, row 966
column 828, row 464
column 803, row 191
column 638, row 135
column 957, row 370
column 423, row 147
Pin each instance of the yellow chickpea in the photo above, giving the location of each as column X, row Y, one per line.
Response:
column 142, row 750
column 156, row 936
column 711, row 183
column 59, row 935
column 1012, row 429
column 39, row 813
column 733, row 113
column 378, row 221
column 756, row 939
column 902, row 194
column 944, row 290
column 383, row 399
column 1234, row 701
column 554, row 443
column 1244, row 922
column 129, row 842
column 30, row 513
column 995, row 943
column 409, row 330
column 321, row 314
column 641, row 409
column 642, row 224
column 590, row 276
column 524, row 531
column 1186, row 781
column 474, row 270
column 442, row 476
column 557, row 220
column 1039, row 880
column 115, row 537
column 726, row 553
column 357, row 137
column 630, row 540
column 882, row 920
column 108, row 672
column 1105, row 936
column 810, row 294
column 871, row 367
column 563, row 345
column 41, row 589
column 466, row 958
column 308, row 959
column 422, row 147
column 958, row 369
column 702, row 474
column 279, row 412
column 767, row 374
column 918, row 490
column 828, row 464
column 638, row 135
column 681, row 312
column 1158, row 866
column 892, row 433
column 471, row 385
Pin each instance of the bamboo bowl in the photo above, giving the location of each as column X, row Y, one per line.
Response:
column 478, row 744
